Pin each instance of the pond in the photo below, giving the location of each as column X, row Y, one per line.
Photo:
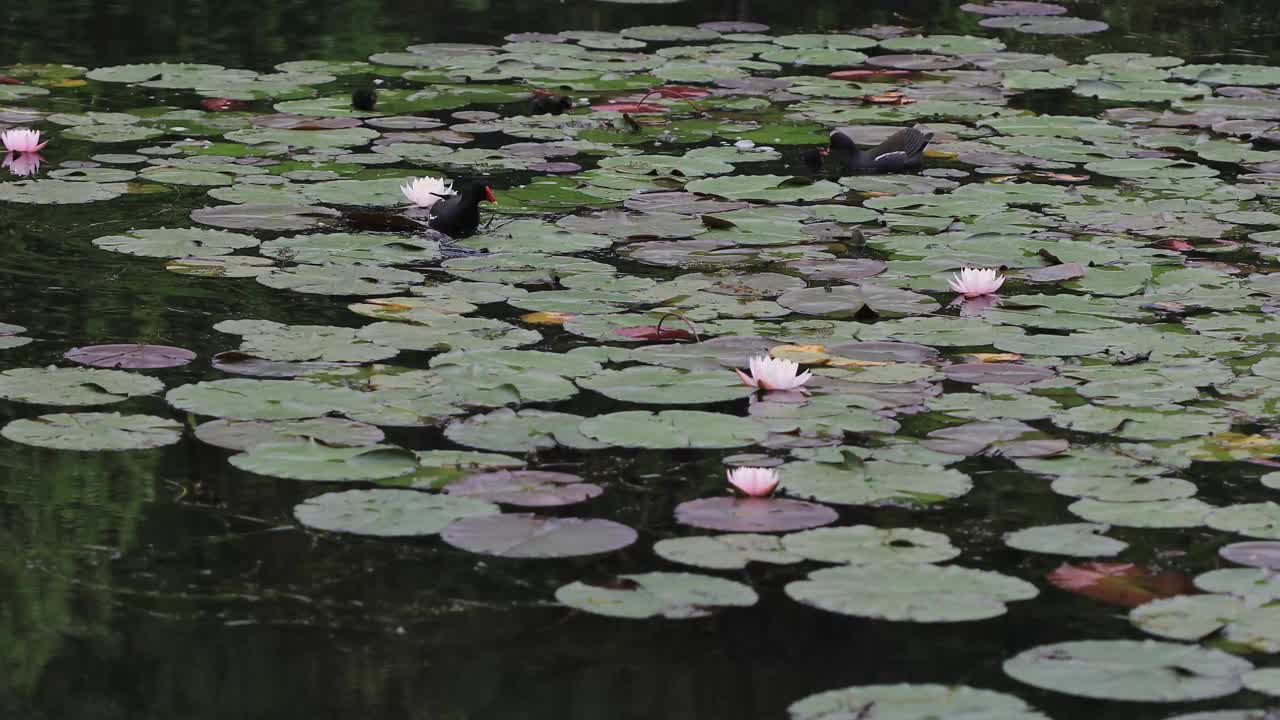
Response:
column 339, row 465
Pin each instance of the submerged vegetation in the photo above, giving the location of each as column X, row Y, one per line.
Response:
column 385, row 364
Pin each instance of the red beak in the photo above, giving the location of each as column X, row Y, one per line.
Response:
column 488, row 194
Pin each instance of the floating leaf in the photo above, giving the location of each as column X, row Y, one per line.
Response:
column 910, row 592
column 674, row 596
column 387, row 513
column 134, row 357
column 732, row 514
column 94, row 431
column 526, row 488
column 1146, row 671
column 534, row 536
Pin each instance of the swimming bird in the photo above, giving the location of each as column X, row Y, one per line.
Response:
column 903, row 150
column 364, row 99
column 549, row 104
column 458, row 216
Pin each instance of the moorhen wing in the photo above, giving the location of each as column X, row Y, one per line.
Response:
column 903, row 150
column 364, row 99
column 458, row 216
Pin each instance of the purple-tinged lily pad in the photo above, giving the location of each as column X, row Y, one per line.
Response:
column 732, row 514
column 535, row 536
column 133, row 356
column 529, row 488
column 1014, row 7
column 1000, row 373
column 1258, row 553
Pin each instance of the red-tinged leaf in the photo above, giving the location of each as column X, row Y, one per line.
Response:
column 6, row 80
column 1176, row 244
column 864, row 74
column 1123, row 584
column 223, row 104
column 680, row 91
column 632, row 107
column 653, row 332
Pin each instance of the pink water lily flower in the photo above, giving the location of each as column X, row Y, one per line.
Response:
column 754, row 481
column 975, row 282
column 22, row 164
column 23, row 140
column 768, row 373
column 427, row 191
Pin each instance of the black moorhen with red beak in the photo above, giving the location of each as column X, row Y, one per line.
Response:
column 903, row 150
column 458, row 216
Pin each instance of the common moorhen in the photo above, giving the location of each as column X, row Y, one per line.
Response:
column 364, row 99
column 548, row 104
column 458, row 216
column 903, row 150
column 814, row 159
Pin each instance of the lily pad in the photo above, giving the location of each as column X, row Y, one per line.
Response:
column 387, row 513
column 94, row 431
column 526, row 488
column 74, row 386
column 753, row 515
column 674, row 596
column 912, row 702
column 1147, row 671
column 314, row 462
column 134, row 357
column 242, row 435
column 726, row 552
column 534, row 536
column 910, row 592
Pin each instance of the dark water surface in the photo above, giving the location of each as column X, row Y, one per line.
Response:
column 168, row 585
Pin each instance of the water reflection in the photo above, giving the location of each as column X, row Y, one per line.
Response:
column 63, row 517
column 22, row 164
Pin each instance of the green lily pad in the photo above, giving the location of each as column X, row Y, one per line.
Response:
column 314, row 462
column 674, row 596
column 387, row 513
column 673, row 429
column 1073, row 539
column 176, row 243
column 94, row 431
column 1147, row 671
column 726, row 552
column 910, row 592
column 912, row 702
column 74, row 386
column 242, row 435
column 535, row 536
column 669, row 386
column 866, row 545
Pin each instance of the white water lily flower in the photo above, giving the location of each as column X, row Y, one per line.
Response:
column 769, row 373
column 427, row 191
column 754, row 481
column 975, row 282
